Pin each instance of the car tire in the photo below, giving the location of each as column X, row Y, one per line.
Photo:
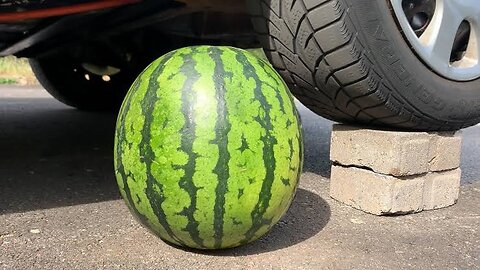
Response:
column 347, row 60
column 66, row 79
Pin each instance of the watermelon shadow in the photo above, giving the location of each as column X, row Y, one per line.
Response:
column 307, row 217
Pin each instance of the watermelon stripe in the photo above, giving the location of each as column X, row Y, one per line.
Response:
column 188, row 138
column 245, row 165
column 155, row 198
column 119, row 168
column 299, row 136
column 299, row 139
column 278, row 94
column 168, row 159
column 292, row 151
column 268, row 151
column 287, row 169
column 124, row 144
column 222, row 128
column 205, row 115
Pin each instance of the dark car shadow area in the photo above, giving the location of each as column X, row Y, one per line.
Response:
column 52, row 155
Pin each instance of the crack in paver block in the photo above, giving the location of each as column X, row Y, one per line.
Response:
column 393, row 172
column 395, row 153
column 381, row 194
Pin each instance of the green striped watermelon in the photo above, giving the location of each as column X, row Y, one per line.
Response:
column 208, row 148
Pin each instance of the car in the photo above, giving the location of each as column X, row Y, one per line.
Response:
column 398, row 64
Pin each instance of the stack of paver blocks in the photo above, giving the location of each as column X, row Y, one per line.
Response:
column 390, row 172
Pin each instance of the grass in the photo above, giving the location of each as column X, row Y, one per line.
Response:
column 16, row 71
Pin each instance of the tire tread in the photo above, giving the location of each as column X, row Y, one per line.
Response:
column 320, row 53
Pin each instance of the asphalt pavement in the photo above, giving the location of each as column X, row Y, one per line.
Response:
column 60, row 207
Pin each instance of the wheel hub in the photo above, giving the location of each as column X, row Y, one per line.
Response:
column 100, row 70
column 444, row 33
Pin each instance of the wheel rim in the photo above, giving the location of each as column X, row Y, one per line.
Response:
column 444, row 33
column 103, row 72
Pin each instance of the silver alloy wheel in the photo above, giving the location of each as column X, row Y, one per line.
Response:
column 436, row 42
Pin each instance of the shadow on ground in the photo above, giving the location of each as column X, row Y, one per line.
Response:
column 54, row 156
column 307, row 216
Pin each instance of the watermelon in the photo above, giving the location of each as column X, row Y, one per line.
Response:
column 208, row 147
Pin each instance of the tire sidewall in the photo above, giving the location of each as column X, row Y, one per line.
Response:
column 55, row 74
column 409, row 79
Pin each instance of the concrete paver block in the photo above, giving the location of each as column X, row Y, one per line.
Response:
column 441, row 190
column 382, row 194
column 445, row 151
column 393, row 152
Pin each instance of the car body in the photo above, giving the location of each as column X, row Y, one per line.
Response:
column 408, row 64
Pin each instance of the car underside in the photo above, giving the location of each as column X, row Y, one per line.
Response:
column 408, row 64
column 33, row 28
column 103, row 45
